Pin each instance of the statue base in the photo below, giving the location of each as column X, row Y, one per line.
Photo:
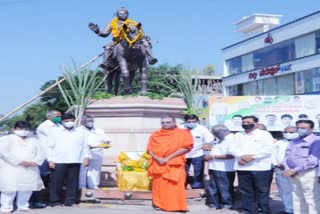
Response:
column 129, row 122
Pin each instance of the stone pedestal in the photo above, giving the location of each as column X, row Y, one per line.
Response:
column 129, row 121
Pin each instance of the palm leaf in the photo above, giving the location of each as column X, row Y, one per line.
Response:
column 83, row 84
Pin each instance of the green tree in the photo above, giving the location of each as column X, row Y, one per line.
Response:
column 184, row 83
column 53, row 99
column 157, row 76
column 208, row 70
column 34, row 114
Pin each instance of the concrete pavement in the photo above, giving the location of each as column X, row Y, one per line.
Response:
column 195, row 206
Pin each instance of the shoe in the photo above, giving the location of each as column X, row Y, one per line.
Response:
column 24, row 209
column 152, row 61
column 227, row 210
column 71, row 205
column 197, row 187
column 38, row 205
column 56, row 204
column 156, row 207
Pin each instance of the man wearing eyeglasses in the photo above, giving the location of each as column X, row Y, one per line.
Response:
column 167, row 148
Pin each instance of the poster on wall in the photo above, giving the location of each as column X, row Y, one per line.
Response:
column 276, row 112
column 201, row 103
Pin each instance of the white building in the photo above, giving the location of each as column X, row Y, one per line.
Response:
column 282, row 60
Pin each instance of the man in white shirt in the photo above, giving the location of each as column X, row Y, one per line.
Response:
column 252, row 152
column 90, row 175
column 201, row 136
column 53, row 121
column 283, row 183
column 21, row 154
column 221, row 169
column 67, row 150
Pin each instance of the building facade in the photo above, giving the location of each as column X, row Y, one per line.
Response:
column 282, row 61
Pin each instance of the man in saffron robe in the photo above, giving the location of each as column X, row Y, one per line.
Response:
column 167, row 147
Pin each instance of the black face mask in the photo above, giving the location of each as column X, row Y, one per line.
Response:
column 247, row 126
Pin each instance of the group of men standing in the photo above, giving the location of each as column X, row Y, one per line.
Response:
column 74, row 159
column 252, row 155
column 70, row 154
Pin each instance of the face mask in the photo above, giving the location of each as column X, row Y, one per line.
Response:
column 22, row 133
column 247, row 126
column 190, row 125
column 290, row 136
column 89, row 125
column 303, row 132
column 219, row 134
column 68, row 125
column 56, row 119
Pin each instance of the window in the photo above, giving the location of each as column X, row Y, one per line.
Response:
column 317, row 41
column 311, row 79
column 274, row 55
column 250, row 88
column 285, row 84
column 267, row 86
column 235, row 90
column 280, row 85
column 247, row 62
column 234, row 66
column 305, row 45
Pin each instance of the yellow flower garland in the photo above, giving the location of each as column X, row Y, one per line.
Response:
column 119, row 34
column 127, row 164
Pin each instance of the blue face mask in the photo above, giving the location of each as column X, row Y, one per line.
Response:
column 303, row 132
column 190, row 125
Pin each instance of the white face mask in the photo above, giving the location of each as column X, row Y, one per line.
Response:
column 290, row 136
column 69, row 124
column 22, row 133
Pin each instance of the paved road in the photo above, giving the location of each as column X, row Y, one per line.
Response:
column 137, row 206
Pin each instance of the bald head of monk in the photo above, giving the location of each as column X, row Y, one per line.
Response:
column 168, row 122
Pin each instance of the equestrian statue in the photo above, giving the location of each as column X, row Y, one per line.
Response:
column 129, row 51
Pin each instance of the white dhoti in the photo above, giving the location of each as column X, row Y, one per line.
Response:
column 90, row 175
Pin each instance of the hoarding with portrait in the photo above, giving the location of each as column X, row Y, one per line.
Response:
column 276, row 112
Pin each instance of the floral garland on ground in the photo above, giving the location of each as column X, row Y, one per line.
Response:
column 128, row 164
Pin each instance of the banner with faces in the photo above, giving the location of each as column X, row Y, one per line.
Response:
column 275, row 112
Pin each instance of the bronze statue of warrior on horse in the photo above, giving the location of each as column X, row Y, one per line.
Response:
column 129, row 51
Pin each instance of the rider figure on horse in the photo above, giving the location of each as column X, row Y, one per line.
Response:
column 114, row 28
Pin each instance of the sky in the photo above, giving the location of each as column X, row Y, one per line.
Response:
column 38, row 37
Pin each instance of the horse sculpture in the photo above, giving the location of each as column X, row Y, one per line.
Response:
column 128, row 55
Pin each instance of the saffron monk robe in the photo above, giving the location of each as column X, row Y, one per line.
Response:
column 167, row 147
